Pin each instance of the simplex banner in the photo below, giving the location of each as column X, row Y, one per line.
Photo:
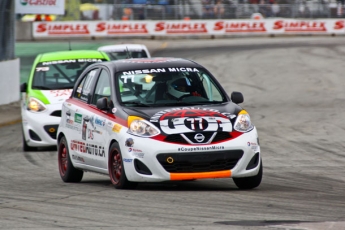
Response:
column 185, row 28
column 40, row 7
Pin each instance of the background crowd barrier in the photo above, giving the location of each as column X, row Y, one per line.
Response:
column 108, row 29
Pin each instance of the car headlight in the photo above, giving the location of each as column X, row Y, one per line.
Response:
column 35, row 105
column 140, row 127
column 243, row 123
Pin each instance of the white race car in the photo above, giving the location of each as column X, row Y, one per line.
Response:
column 49, row 84
column 124, row 51
column 154, row 120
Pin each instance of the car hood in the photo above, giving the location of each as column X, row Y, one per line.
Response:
column 54, row 96
column 172, row 120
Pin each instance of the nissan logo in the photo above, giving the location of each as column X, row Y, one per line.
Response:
column 199, row 137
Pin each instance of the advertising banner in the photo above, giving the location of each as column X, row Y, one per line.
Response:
column 40, row 7
column 191, row 27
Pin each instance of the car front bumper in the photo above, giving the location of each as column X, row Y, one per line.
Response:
column 39, row 128
column 149, row 160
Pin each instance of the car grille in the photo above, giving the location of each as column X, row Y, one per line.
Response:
column 51, row 130
column 178, row 138
column 199, row 161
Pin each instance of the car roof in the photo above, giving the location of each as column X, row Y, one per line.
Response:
column 72, row 54
column 151, row 63
column 122, row 47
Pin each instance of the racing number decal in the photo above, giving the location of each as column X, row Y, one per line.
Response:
column 131, row 77
column 195, row 124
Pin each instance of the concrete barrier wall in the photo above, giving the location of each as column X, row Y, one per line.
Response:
column 9, row 81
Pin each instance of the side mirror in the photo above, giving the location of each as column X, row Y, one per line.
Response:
column 237, row 97
column 23, row 87
column 102, row 104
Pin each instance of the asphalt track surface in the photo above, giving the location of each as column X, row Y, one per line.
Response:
column 293, row 90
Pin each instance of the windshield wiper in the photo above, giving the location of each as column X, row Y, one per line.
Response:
column 135, row 103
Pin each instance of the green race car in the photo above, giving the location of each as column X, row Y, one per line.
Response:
column 50, row 83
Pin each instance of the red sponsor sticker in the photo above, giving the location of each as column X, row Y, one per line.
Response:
column 181, row 27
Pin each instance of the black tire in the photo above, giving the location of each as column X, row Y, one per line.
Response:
column 26, row 147
column 249, row 182
column 67, row 171
column 116, row 169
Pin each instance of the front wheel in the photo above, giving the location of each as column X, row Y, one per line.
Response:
column 116, row 169
column 249, row 182
column 67, row 171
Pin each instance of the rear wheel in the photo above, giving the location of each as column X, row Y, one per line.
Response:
column 249, row 182
column 116, row 169
column 67, row 171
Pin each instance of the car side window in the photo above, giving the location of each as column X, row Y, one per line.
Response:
column 102, row 87
column 84, row 87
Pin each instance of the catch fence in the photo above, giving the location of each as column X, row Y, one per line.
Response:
column 299, row 9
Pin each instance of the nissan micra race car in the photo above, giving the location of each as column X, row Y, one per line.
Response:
column 50, row 83
column 155, row 120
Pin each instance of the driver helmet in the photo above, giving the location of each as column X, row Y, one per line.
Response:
column 179, row 87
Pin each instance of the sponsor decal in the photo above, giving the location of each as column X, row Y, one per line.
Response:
column 236, row 27
column 130, row 74
column 182, row 120
column 127, row 160
column 59, row 62
column 139, row 154
column 38, row 2
column 73, row 127
column 110, row 124
column 43, row 69
column 78, row 158
column 84, row 127
column 96, row 131
column 63, row 28
column 90, row 149
column 95, row 150
column 78, row 118
column 202, row 148
column 121, row 28
column 60, row 93
column 78, row 146
column 181, row 27
column 252, row 145
column 116, row 128
column 69, row 121
column 90, row 134
column 339, row 25
column 98, row 121
column 300, row 26
column 134, row 150
column 129, row 142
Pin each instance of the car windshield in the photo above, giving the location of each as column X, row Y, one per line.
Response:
column 118, row 55
column 60, row 74
column 168, row 87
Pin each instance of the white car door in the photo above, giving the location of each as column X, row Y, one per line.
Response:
column 80, row 137
column 100, row 120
